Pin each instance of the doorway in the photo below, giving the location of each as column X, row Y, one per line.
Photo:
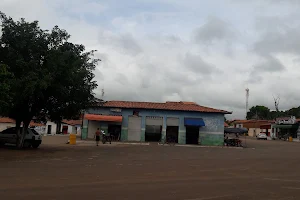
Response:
column 153, row 133
column 172, row 133
column 192, row 134
column 65, row 129
column 49, row 129
column 115, row 132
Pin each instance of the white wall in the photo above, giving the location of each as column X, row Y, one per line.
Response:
column 41, row 129
column 253, row 131
column 78, row 130
column 239, row 126
column 53, row 127
column 70, row 128
column 92, row 128
column 4, row 126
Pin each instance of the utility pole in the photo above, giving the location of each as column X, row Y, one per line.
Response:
column 276, row 102
column 256, row 118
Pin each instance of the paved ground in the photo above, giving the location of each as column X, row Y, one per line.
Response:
column 266, row 170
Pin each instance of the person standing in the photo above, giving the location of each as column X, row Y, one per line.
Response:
column 97, row 134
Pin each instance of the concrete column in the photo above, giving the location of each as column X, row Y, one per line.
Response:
column 73, row 130
column 143, row 129
column 164, row 129
column 182, row 131
column 84, row 131
column 124, row 129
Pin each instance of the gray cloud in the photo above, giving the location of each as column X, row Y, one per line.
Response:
column 197, row 65
column 148, row 54
column 270, row 64
column 286, row 41
column 121, row 78
column 124, row 43
column 129, row 44
column 213, row 30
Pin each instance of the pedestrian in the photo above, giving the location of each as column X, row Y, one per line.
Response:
column 97, row 134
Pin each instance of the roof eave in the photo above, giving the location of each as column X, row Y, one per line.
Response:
column 222, row 112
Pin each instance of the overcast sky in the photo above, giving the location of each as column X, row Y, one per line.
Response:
column 174, row 50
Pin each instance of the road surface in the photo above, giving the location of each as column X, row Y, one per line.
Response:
column 265, row 170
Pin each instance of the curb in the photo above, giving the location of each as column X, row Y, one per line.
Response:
column 199, row 146
column 113, row 143
column 128, row 143
column 218, row 147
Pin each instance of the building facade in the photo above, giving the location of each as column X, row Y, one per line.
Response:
column 6, row 122
column 254, row 126
column 185, row 122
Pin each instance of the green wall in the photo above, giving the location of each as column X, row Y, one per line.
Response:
column 211, row 139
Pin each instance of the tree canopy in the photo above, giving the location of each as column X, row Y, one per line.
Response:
column 42, row 73
column 263, row 112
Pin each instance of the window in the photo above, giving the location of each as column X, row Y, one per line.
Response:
column 11, row 130
column 34, row 132
column 136, row 113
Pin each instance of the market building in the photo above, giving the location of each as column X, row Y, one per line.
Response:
column 254, row 126
column 285, row 127
column 187, row 122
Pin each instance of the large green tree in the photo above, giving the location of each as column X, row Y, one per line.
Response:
column 45, row 74
column 259, row 112
column 5, row 78
column 263, row 112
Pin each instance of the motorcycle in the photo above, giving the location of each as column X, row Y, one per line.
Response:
column 105, row 138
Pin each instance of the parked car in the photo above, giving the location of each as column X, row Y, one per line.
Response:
column 32, row 138
column 261, row 136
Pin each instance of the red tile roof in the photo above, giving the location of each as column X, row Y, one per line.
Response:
column 178, row 106
column 252, row 121
column 32, row 123
column 9, row 120
column 225, row 124
column 6, row 120
column 72, row 122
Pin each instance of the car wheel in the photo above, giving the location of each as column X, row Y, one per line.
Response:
column 35, row 146
column 26, row 144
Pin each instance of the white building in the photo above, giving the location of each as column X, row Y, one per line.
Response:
column 6, row 122
column 67, row 126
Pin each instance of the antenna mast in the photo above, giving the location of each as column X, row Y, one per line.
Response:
column 247, row 98
column 102, row 93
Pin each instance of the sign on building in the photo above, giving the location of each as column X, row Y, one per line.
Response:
column 116, row 110
column 286, row 120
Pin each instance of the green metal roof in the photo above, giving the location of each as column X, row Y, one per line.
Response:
column 287, row 126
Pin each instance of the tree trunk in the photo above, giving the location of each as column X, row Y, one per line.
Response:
column 58, row 127
column 23, row 134
column 18, row 133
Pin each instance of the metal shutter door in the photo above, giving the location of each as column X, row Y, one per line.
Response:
column 92, row 128
column 172, row 121
column 154, row 121
column 134, row 128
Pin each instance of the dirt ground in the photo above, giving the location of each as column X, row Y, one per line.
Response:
column 265, row 170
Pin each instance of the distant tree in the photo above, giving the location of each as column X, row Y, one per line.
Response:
column 42, row 73
column 293, row 112
column 259, row 112
column 5, row 79
column 276, row 102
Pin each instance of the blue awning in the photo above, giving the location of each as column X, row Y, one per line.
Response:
column 194, row 122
